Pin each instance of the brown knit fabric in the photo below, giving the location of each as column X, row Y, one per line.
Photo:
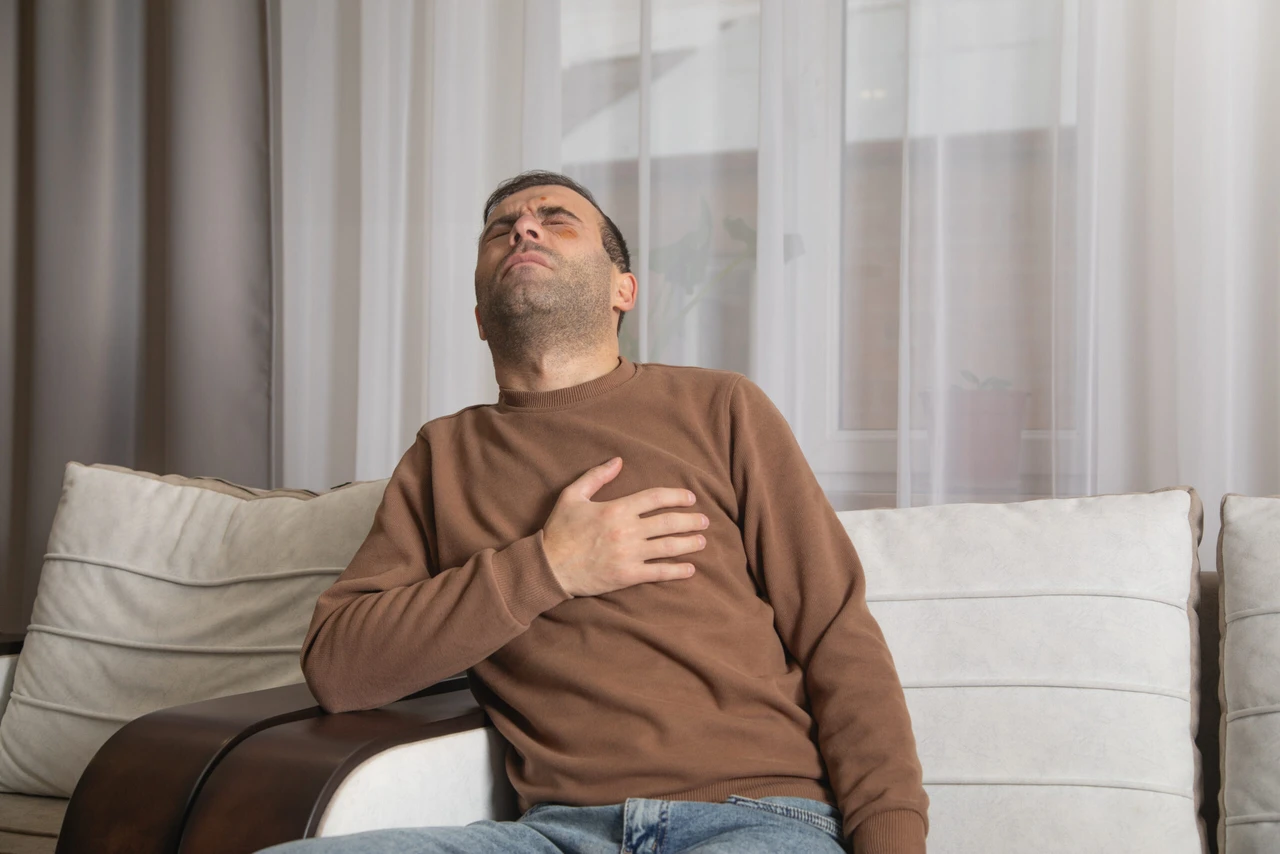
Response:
column 762, row 674
column 892, row 830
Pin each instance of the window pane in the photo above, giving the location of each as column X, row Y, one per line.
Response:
column 704, row 105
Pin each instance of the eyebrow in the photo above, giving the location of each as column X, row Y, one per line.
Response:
column 543, row 212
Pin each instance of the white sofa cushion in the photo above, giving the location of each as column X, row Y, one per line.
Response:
column 1049, row 654
column 1249, row 562
column 161, row 591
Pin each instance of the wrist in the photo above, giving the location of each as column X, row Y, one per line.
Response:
column 554, row 561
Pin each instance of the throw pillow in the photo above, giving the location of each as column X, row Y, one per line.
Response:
column 159, row 591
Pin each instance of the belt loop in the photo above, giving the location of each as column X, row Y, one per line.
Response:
column 644, row 826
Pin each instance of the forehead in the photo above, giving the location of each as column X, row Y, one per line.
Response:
column 532, row 198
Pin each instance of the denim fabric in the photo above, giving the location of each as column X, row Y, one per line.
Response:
column 772, row 825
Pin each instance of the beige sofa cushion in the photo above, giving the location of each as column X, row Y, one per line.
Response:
column 1049, row 652
column 1249, row 561
column 161, row 591
column 18, row 843
column 30, row 825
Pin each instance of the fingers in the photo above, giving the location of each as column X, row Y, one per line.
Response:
column 671, row 523
column 667, row 571
column 672, row 546
column 596, row 477
column 651, row 499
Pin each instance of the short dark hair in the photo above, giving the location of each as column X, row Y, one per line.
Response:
column 615, row 245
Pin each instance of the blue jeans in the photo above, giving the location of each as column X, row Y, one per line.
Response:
column 772, row 825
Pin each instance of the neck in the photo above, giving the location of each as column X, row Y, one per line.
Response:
column 552, row 370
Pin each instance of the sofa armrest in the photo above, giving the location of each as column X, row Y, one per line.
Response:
column 134, row 795
column 137, row 792
column 278, row 784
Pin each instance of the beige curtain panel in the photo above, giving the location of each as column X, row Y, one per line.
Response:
column 135, row 253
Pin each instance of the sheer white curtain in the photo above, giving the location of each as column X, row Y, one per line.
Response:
column 1185, row 231
column 973, row 249
column 395, row 119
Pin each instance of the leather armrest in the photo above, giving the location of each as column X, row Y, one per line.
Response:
column 134, row 795
column 137, row 791
column 275, row 786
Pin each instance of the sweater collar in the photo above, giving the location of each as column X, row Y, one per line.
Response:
column 530, row 400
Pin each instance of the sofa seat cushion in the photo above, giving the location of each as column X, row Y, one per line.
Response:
column 1049, row 654
column 1249, row 563
column 162, row 591
column 13, row 843
column 29, row 824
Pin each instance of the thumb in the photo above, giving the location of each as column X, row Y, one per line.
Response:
column 598, row 476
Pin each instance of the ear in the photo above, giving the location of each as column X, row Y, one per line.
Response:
column 625, row 289
column 479, row 325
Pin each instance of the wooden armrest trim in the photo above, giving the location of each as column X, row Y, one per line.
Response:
column 134, row 796
column 139, row 789
column 276, row 785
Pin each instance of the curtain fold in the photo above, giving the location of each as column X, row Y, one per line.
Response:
column 139, row 282
column 1188, row 231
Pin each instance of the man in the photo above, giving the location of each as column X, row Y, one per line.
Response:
column 654, row 601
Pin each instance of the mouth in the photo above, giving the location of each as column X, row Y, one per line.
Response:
column 523, row 258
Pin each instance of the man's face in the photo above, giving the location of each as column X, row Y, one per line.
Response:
column 543, row 279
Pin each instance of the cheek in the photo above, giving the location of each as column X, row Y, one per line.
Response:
column 487, row 264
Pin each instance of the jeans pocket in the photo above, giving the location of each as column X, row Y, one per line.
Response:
column 824, row 823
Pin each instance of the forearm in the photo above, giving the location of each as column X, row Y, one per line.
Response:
column 812, row 577
column 855, row 695
column 373, row 641
column 864, row 732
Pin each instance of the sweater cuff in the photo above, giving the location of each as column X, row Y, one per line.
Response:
column 525, row 580
column 890, row 832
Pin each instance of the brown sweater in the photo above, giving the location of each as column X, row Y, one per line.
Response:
column 762, row 674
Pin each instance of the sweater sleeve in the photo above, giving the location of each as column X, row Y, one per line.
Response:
column 393, row 623
column 809, row 571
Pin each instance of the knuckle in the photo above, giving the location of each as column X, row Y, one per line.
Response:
column 674, row 571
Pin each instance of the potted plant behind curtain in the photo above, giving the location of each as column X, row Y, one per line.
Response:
column 981, row 437
column 684, row 267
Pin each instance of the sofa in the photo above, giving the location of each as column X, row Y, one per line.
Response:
column 240, row 772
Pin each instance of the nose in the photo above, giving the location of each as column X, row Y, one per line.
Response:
column 526, row 227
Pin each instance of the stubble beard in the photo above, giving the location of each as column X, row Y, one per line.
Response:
column 538, row 311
